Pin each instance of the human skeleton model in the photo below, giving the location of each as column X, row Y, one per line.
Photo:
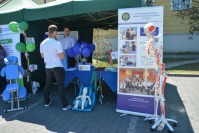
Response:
column 83, row 99
column 155, row 52
column 162, row 100
column 152, row 51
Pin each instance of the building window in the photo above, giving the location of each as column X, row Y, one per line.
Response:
column 180, row 4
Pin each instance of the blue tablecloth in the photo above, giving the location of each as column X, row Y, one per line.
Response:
column 69, row 76
column 83, row 76
column 111, row 79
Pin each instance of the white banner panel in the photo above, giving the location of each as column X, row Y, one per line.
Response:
column 133, row 97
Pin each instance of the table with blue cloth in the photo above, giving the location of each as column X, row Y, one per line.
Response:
column 84, row 77
column 110, row 78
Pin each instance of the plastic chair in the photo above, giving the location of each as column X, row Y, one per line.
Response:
column 87, row 107
column 13, row 91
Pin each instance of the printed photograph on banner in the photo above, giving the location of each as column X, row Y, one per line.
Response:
column 127, row 60
column 133, row 81
column 128, row 33
column 128, row 47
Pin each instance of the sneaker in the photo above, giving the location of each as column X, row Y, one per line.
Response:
column 47, row 105
column 67, row 107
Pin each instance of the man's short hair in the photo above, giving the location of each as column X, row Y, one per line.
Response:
column 66, row 28
column 52, row 28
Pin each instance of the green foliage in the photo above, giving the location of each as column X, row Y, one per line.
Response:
column 192, row 15
column 192, row 69
column 169, row 60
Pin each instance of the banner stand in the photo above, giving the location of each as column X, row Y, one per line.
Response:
column 8, row 40
column 132, row 95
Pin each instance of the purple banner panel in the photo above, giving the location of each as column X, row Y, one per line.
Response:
column 139, row 104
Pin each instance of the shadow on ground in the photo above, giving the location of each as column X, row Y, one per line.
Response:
column 174, row 110
column 103, row 119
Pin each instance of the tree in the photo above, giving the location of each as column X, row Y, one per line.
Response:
column 101, row 42
column 192, row 15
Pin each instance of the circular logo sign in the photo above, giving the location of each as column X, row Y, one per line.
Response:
column 125, row 16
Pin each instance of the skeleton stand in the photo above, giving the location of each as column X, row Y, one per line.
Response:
column 161, row 121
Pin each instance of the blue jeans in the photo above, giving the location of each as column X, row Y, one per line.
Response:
column 58, row 74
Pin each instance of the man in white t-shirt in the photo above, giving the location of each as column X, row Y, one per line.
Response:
column 132, row 33
column 67, row 42
column 52, row 52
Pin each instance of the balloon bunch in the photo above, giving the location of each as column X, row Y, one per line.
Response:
column 81, row 48
column 16, row 27
column 21, row 27
column 23, row 48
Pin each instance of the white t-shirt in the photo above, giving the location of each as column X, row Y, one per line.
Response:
column 132, row 32
column 51, row 48
column 67, row 42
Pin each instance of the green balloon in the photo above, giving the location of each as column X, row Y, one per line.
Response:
column 23, row 25
column 30, row 47
column 13, row 26
column 20, row 47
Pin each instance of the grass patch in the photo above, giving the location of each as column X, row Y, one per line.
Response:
column 192, row 69
column 183, row 53
column 168, row 60
column 104, row 63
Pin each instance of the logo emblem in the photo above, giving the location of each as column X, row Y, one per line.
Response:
column 125, row 16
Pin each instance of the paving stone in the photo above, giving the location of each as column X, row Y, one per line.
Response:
column 181, row 104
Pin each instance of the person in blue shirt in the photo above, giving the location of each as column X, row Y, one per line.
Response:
column 67, row 42
column 128, row 35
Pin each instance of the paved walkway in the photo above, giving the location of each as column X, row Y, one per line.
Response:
column 176, row 92
column 181, row 104
column 187, row 88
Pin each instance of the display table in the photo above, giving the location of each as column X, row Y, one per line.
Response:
column 110, row 78
column 84, row 77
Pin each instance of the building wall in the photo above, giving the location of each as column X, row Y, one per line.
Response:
column 176, row 37
column 180, row 43
column 172, row 24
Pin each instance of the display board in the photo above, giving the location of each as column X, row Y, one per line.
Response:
column 61, row 34
column 8, row 40
column 132, row 95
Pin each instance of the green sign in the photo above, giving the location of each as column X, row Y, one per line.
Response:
column 5, row 41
